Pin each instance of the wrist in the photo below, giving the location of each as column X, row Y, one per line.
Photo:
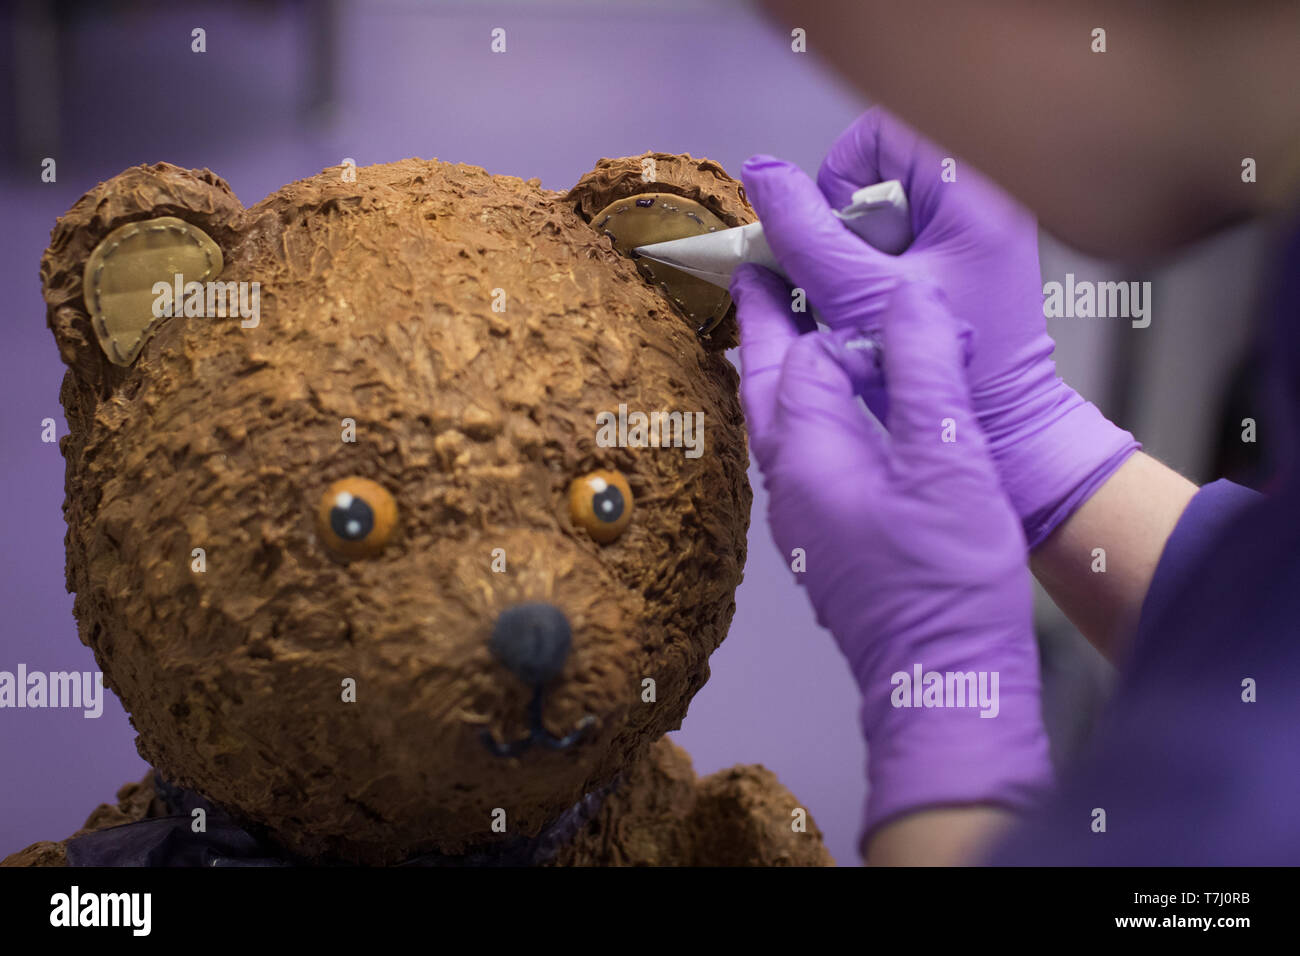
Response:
column 1125, row 525
column 1054, row 460
column 1007, row 767
column 954, row 730
column 939, row 836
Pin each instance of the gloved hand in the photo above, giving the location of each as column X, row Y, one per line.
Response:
column 914, row 557
column 1052, row 448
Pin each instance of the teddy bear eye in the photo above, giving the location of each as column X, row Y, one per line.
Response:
column 600, row 502
column 356, row 517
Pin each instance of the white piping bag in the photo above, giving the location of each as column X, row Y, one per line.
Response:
column 878, row 213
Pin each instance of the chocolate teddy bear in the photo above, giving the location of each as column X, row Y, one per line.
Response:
column 345, row 542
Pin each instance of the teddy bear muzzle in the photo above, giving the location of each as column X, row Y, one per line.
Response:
column 532, row 641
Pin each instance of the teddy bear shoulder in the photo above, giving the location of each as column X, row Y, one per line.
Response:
column 662, row 814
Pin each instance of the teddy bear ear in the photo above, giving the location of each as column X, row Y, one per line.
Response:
column 637, row 200
column 144, row 226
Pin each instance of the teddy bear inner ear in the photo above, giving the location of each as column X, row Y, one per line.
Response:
column 647, row 218
column 137, row 276
column 639, row 200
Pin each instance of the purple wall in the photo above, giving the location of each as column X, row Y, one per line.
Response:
column 576, row 84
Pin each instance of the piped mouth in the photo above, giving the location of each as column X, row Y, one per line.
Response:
column 537, row 733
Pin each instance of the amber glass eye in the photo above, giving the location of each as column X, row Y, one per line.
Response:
column 600, row 502
column 356, row 518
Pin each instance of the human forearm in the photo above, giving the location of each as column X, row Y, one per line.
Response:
column 941, row 836
column 1098, row 564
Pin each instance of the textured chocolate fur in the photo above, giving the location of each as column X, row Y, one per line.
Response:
column 377, row 306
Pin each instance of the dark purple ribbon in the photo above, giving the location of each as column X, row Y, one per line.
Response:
column 171, row 840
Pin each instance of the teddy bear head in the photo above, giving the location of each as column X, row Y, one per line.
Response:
column 347, row 530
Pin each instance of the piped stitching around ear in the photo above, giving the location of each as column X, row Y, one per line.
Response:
column 702, row 180
column 100, row 260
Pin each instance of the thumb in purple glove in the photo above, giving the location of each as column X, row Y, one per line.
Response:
column 914, row 557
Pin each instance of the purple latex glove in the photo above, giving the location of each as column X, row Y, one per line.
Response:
column 914, row 557
column 1052, row 448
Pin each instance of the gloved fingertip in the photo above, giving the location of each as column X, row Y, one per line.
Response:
column 761, row 162
column 749, row 279
column 742, row 278
column 761, row 175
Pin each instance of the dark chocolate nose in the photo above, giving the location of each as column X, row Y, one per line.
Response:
column 533, row 641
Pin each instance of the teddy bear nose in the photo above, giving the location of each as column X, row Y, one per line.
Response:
column 532, row 641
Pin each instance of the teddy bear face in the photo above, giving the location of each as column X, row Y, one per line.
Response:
column 331, row 562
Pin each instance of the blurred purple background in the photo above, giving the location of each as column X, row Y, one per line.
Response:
column 286, row 89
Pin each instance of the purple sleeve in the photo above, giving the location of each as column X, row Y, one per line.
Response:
column 1207, row 515
column 1194, row 761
